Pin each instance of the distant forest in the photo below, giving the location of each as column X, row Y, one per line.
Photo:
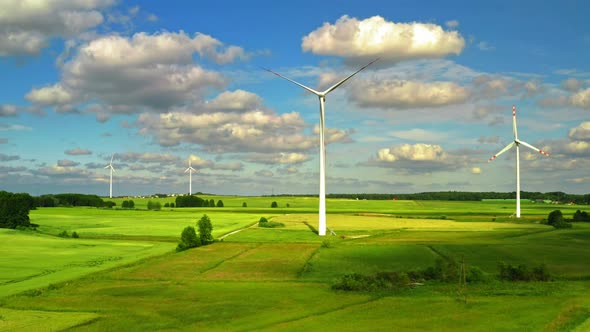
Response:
column 557, row 196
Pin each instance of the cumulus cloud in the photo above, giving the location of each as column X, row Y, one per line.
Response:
column 581, row 99
column 13, row 127
column 416, row 152
column 281, row 159
column 27, row 26
column 67, row 163
column 375, row 37
column 581, row 132
column 418, row 134
column 333, row 135
column 9, row 169
column 141, row 72
column 50, row 95
column 237, row 101
column 452, row 24
column 407, row 94
column 78, row 152
column 234, row 166
column 252, row 131
column 475, row 170
column 571, row 84
column 7, row 110
column 265, row 173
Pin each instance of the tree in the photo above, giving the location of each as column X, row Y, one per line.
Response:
column 171, row 205
column 125, row 204
column 274, row 205
column 131, row 204
column 167, row 205
column 244, row 204
column 205, row 229
column 212, row 202
column 219, row 203
column 14, row 209
column 188, row 239
column 556, row 220
column 109, row 204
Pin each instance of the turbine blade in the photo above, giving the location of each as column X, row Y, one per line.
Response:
column 290, row 80
column 514, row 129
column 533, row 148
column 107, row 166
column 501, row 151
column 346, row 79
column 186, row 170
column 113, row 155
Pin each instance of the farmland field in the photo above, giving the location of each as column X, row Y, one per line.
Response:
column 124, row 274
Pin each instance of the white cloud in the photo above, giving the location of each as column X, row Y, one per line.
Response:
column 26, row 26
column 265, row 173
column 5, row 157
column 7, row 127
column 475, row 170
column 485, row 46
column 252, row 131
column 334, row 135
column 375, row 37
column 581, row 99
column 416, row 152
column 50, row 95
column 407, row 94
column 132, row 74
column 581, row 132
column 577, row 147
column 281, row 158
column 238, row 100
column 160, row 158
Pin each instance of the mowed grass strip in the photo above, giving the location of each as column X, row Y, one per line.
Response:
column 264, row 262
column 435, row 313
column 34, row 320
column 31, row 260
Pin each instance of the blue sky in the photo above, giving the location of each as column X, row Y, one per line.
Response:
column 157, row 83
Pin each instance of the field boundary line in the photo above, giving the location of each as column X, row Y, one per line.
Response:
column 216, row 265
column 237, row 230
column 315, row 314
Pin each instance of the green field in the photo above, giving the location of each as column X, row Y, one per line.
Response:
column 123, row 274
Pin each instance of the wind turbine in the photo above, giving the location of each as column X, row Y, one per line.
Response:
column 110, row 165
column 322, row 96
column 517, row 143
column 190, row 171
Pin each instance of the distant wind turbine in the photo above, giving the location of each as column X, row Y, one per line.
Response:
column 110, row 165
column 322, row 97
column 517, row 143
column 190, row 171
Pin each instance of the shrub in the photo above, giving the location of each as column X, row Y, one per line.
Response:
column 556, row 220
column 188, row 239
column 63, row 234
column 171, row 205
column 244, row 204
column 288, row 205
column 167, row 205
column 271, row 224
column 109, row 204
column 219, row 203
column 154, row 205
column 131, row 204
column 521, row 272
column 125, row 204
column 75, row 235
column 581, row 216
column 205, row 229
column 262, row 220
column 274, row 205
column 326, row 243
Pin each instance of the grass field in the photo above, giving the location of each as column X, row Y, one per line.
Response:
column 123, row 273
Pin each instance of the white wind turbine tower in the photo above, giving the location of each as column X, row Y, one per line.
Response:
column 517, row 143
column 190, row 171
column 322, row 97
column 110, row 165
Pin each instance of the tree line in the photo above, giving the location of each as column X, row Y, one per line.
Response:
column 195, row 201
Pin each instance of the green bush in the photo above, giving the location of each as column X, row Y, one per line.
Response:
column 167, row 205
column 188, row 239
column 63, row 234
column 244, row 204
column 262, row 220
column 508, row 272
column 271, row 224
column 171, row 205
column 151, row 205
column 75, row 235
column 274, row 205
column 219, row 203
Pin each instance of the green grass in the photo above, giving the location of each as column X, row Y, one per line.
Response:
column 123, row 273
